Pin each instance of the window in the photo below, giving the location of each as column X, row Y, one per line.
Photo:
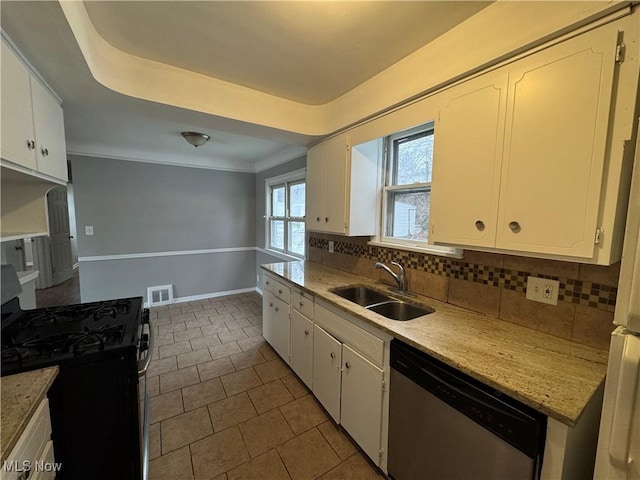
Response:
column 407, row 189
column 285, row 214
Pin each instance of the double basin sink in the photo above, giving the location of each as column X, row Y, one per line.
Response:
column 381, row 303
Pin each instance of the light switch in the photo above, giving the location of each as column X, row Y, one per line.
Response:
column 88, row 230
column 331, row 246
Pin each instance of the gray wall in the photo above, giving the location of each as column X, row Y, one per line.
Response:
column 144, row 208
column 290, row 166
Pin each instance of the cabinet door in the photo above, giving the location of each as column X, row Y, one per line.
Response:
column 327, row 361
column 467, row 159
column 17, row 116
column 302, row 347
column 555, row 139
column 361, row 412
column 275, row 324
column 336, row 189
column 315, row 188
column 49, row 126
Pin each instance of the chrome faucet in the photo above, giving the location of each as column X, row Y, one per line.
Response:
column 399, row 277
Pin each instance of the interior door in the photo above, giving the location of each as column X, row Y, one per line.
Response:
column 60, row 233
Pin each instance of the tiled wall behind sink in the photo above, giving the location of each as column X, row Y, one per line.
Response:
column 491, row 283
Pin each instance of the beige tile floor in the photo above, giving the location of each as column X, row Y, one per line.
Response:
column 224, row 406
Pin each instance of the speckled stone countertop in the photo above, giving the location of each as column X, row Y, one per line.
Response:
column 20, row 396
column 555, row 376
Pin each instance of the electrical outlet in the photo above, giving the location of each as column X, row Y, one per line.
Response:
column 543, row 290
column 331, row 246
column 88, row 230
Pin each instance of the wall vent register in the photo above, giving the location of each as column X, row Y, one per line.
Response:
column 159, row 295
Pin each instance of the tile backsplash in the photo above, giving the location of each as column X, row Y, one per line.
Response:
column 494, row 284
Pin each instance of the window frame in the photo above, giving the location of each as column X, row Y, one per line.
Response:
column 388, row 178
column 287, row 180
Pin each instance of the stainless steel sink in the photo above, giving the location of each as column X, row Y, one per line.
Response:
column 400, row 311
column 382, row 304
column 362, row 295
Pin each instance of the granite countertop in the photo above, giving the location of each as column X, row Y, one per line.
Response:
column 555, row 376
column 20, row 395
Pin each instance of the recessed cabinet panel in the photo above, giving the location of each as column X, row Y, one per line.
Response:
column 327, row 361
column 555, row 140
column 362, row 395
column 302, row 347
column 18, row 137
column 466, row 173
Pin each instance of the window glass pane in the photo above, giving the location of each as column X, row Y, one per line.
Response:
column 277, row 234
column 296, row 237
column 414, row 159
column 408, row 215
column 277, row 202
column 297, row 199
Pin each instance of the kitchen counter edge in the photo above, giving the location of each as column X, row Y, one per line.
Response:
column 594, row 359
column 20, row 395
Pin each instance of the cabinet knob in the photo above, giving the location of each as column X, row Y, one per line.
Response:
column 306, row 332
column 301, row 304
column 514, row 226
column 347, row 365
column 480, row 225
column 326, row 219
column 271, row 304
column 280, row 290
column 44, row 151
column 333, row 355
column 31, row 144
column 276, row 309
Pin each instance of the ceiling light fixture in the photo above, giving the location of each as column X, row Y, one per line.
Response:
column 196, row 138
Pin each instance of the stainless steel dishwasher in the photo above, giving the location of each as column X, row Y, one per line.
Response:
column 443, row 424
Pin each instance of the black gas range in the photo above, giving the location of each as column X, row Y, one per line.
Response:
column 98, row 402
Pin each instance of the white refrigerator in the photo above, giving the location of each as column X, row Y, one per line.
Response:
column 618, row 454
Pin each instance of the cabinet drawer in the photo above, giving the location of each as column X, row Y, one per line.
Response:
column 363, row 342
column 278, row 288
column 303, row 303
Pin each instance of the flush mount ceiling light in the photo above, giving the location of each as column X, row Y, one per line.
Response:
column 196, row 138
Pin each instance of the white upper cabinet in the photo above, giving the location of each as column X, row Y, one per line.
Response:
column 32, row 121
column 520, row 153
column 466, row 174
column 18, row 137
column 342, row 187
column 48, row 121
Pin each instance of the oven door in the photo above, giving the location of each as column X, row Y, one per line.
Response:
column 145, row 353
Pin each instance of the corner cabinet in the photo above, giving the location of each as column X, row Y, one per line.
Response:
column 342, row 184
column 520, row 153
column 32, row 122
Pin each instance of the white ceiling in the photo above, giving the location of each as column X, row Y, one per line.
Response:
column 306, row 52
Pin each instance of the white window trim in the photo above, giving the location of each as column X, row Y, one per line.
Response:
column 380, row 239
column 291, row 177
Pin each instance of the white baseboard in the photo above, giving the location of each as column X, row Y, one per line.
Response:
column 204, row 296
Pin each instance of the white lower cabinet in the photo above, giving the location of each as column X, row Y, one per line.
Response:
column 302, row 347
column 361, row 403
column 343, row 360
column 327, row 364
column 351, row 389
column 276, row 324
